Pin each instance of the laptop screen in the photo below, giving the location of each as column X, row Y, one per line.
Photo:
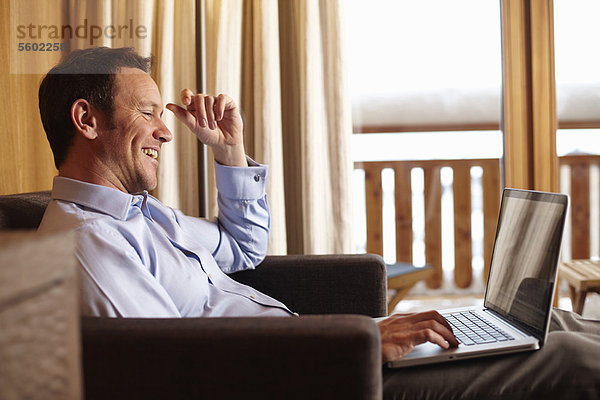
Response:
column 524, row 262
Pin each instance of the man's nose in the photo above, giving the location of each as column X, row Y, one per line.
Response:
column 163, row 133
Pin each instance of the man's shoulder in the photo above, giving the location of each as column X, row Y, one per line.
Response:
column 61, row 215
column 93, row 229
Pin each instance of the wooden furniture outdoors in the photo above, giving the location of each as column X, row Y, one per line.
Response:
column 583, row 277
column 401, row 277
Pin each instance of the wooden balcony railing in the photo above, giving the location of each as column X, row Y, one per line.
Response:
column 461, row 188
column 580, row 167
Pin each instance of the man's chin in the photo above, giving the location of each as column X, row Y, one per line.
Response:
column 150, row 186
column 149, row 180
column 144, row 185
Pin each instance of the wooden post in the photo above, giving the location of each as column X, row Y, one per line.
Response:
column 529, row 109
column 433, row 224
column 463, row 270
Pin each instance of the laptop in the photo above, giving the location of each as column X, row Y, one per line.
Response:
column 515, row 316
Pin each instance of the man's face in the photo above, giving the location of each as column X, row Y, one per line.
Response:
column 130, row 143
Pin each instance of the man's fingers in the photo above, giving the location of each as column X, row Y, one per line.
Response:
column 200, row 111
column 222, row 103
column 429, row 315
column 425, row 332
column 186, row 97
column 208, row 110
column 209, row 102
column 430, row 335
column 182, row 114
column 426, row 320
column 401, row 333
column 203, row 110
column 398, row 315
column 441, row 331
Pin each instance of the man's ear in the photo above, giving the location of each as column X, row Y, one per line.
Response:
column 83, row 118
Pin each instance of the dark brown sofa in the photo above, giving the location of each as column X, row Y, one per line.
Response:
column 315, row 356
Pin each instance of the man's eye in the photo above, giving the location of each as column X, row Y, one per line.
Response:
column 149, row 114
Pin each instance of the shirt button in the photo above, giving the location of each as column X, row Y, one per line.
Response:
column 296, row 314
column 257, row 178
column 253, row 297
column 210, row 276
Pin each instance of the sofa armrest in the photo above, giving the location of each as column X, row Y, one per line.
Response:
column 336, row 356
column 323, row 284
column 23, row 211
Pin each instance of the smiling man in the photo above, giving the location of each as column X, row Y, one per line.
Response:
column 102, row 111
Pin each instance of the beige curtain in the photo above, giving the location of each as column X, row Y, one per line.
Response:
column 283, row 62
column 170, row 38
column 291, row 88
column 26, row 162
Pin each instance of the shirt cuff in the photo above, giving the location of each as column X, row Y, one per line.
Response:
column 243, row 183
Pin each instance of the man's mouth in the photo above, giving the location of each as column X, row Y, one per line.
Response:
column 150, row 153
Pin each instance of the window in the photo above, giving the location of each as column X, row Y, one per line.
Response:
column 425, row 79
column 577, row 68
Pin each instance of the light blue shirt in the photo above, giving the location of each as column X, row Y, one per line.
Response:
column 140, row 258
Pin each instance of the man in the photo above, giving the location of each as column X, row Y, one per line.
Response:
column 102, row 111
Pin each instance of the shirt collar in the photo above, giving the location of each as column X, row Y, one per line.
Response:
column 97, row 197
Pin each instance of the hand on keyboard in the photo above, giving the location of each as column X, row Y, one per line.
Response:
column 400, row 333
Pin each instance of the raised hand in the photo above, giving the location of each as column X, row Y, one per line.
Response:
column 400, row 333
column 217, row 122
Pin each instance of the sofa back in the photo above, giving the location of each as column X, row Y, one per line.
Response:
column 23, row 210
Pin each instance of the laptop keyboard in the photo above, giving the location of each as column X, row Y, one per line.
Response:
column 470, row 329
